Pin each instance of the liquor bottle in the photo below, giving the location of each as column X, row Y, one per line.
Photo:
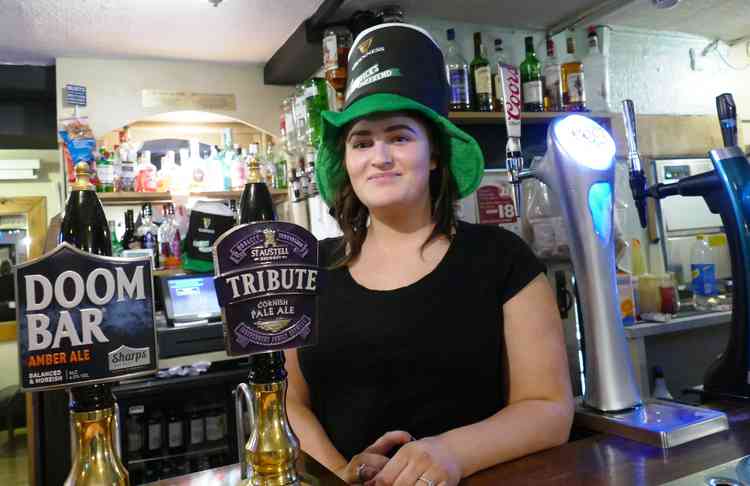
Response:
column 280, row 159
column 574, row 97
column 127, row 170
column 552, row 79
column 105, row 171
column 457, row 71
column 531, row 77
column 300, row 115
column 155, row 428
column 92, row 407
column 316, row 101
column 596, row 85
column 148, row 234
column 497, row 82
column 175, row 432
column 197, row 426
column 95, row 461
column 336, row 44
column 136, row 434
column 169, row 251
column 481, row 76
column 227, row 156
column 129, row 241
column 145, row 178
column 116, row 245
column 85, row 224
column 256, row 203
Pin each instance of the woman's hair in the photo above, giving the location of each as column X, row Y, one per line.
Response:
column 352, row 215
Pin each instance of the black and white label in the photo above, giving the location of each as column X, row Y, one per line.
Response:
column 483, row 80
column 154, row 437
column 197, row 432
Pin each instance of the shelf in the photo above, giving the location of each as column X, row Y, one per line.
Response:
column 495, row 117
column 133, row 198
column 196, row 452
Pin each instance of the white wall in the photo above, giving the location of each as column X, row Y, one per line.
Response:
column 114, row 89
column 47, row 184
column 653, row 69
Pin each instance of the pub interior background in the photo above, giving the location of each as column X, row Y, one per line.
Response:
column 668, row 61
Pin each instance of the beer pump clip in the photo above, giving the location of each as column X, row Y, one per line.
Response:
column 266, row 284
column 579, row 169
column 726, row 190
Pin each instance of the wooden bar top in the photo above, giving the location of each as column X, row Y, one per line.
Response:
column 596, row 460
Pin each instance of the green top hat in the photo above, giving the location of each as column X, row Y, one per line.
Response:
column 397, row 67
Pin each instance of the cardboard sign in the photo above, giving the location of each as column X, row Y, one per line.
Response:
column 84, row 319
column 495, row 203
column 266, row 283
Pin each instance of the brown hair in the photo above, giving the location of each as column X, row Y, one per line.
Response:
column 351, row 214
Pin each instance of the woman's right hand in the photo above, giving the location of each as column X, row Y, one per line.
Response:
column 368, row 463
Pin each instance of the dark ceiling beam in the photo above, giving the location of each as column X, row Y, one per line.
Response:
column 301, row 55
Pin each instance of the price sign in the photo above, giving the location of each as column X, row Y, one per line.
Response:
column 84, row 319
column 495, row 203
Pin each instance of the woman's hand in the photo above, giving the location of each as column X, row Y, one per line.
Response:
column 425, row 462
column 365, row 465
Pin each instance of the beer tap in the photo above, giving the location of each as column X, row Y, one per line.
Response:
column 726, row 190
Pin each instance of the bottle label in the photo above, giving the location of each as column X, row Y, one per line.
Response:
column 330, row 53
column 106, row 173
column 134, row 438
column 175, row 434
column 482, row 80
column 575, row 88
column 704, row 279
column 154, row 437
column 498, row 85
column 553, row 85
column 149, row 241
column 196, row 431
column 213, row 428
column 459, row 81
column 532, row 91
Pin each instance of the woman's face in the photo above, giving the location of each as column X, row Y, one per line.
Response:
column 389, row 160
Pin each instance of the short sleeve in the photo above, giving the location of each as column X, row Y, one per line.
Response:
column 517, row 265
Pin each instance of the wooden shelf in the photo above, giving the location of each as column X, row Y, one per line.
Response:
column 133, row 198
column 494, row 117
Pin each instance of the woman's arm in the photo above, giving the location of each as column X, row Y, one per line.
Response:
column 313, row 439
column 540, row 407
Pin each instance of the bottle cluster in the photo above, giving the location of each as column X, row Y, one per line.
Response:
column 556, row 84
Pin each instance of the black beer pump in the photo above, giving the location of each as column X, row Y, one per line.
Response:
column 726, row 190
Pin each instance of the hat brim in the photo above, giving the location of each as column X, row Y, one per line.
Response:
column 458, row 149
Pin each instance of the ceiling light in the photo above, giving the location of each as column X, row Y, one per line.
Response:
column 664, row 4
column 215, row 3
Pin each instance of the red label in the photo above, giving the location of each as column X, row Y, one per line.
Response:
column 496, row 205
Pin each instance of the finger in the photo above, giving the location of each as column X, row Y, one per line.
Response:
column 434, row 473
column 409, row 476
column 373, row 464
column 392, row 470
column 388, row 441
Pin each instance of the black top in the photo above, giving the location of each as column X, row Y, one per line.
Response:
column 424, row 358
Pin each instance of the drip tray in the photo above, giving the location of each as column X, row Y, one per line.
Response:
column 734, row 473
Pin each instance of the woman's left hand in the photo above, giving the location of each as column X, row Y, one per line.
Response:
column 426, row 462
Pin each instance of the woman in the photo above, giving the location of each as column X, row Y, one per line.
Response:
column 440, row 348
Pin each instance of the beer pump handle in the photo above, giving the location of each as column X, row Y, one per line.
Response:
column 637, row 177
column 727, row 111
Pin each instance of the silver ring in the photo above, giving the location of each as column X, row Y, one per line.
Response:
column 360, row 470
column 429, row 482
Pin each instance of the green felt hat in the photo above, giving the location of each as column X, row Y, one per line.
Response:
column 384, row 76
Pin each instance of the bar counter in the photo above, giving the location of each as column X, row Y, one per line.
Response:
column 599, row 459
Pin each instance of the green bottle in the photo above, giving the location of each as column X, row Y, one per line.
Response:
column 116, row 245
column 316, row 101
column 531, row 78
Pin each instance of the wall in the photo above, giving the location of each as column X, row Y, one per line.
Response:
column 45, row 185
column 114, row 89
column 653, row 69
